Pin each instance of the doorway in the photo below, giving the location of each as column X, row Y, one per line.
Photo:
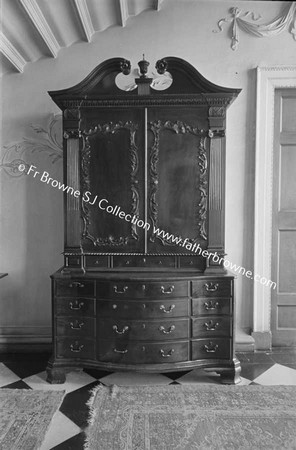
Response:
column 283, row 261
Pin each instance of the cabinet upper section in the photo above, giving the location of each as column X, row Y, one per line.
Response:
column 114, row 82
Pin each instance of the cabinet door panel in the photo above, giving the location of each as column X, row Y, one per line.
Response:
column 177, row 178
column 112, row 180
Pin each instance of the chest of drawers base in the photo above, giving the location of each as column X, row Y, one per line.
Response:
column 146, row 323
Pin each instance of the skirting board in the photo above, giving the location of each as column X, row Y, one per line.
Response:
column 25, row 339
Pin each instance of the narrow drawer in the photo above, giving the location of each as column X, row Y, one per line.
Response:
column 215, row 306
column 144, row 261
column 96, row 261
column 121, row 289
column 212, row 288
column 76, row 307
column 142, row 353
column 211, row 349
column 75, row 326
column 75, row 348
column 143, row 310
column 73, row 261
column 211, row 326
column 125, row 330
column 77, row 288
column 193, row 262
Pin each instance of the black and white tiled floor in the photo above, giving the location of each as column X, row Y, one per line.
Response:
column 27, row 371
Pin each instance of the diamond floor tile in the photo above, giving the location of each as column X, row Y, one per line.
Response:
column 7, row 376
column 60, row 430
column 277, row 375
column 74, row 380
column 133, row 378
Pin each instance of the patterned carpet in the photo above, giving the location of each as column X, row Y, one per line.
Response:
column 27, row 371
column 188, row 417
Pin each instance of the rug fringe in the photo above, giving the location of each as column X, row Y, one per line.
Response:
column 92, row 413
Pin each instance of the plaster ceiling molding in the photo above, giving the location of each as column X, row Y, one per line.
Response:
column 34, row 29
column 284, row 21
column 48, row 142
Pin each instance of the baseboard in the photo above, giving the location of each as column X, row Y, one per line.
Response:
column 25, row 339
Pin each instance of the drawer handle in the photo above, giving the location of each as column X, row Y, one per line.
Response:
column 124, row 289
column 211, row 326
column 76, row 284
column 168, row 354
column 211, row 348
column 211, row 305
column 76, row 306
column 168, row 331
column 77, row 326
column 124, row 329
column 168, row 291
column 76, row 348
column 211, row 287
column 167, row 311
column 119, row 351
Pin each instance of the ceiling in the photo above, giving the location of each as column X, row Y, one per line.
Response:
column 32, row 29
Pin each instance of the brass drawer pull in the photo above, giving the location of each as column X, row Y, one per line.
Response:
column 211, row 305
column 124, row 289
column 124, row 329
column 168, row 331
column 167, row 311
column 168, row 354
column 168, row 291
column 211, row 326
column 119, row 351
column 76, row 284
column 77, row 326
column 211, row 348
column 76, row 306
column 76, row 348
column 211, row 287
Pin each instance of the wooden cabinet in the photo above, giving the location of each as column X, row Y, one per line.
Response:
column 144, row 175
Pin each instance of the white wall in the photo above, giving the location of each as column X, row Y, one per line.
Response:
column 31, row 212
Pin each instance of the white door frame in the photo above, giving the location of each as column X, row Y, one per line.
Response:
column 268, row 79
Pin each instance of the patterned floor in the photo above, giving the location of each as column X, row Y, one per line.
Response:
column 27, row 371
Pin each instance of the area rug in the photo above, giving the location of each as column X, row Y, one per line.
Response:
column 177, row 417
column 25, row 415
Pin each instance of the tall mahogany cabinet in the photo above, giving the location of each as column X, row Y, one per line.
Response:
column 144, row 177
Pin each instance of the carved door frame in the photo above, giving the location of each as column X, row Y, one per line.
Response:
column 268, row 79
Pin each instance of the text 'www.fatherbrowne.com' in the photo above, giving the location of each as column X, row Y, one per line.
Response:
column 104, row 205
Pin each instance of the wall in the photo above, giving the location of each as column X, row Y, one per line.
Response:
column 31, row 212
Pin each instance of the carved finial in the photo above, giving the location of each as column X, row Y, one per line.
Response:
column 143, row 65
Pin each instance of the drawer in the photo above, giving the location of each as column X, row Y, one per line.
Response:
column 77, row 288
column 96, row 261
column 73, row 261
column 75, row 348
column 75, row 326
column 126, row 290
column 125, row 330
column 193, row 262
column 211, row 326
column 143, row 310
column 212, row 288
column 142, row 353
column 144, row 261
column 76, row 307
column 206, row 306
column 211, row 349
